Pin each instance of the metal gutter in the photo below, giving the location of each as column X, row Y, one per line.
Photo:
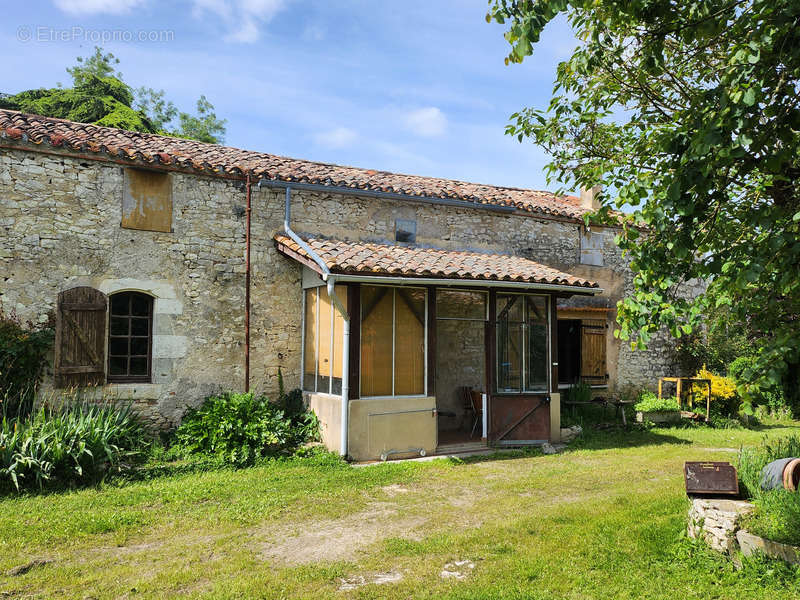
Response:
column 350, row 191
column 489, row 283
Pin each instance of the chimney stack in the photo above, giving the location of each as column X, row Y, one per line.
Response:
column 589, row 197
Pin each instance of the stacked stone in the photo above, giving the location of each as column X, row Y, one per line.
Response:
column 717, row 521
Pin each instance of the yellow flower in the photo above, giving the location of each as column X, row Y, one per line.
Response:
column 722, row 388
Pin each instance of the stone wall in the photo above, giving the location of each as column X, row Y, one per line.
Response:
column 460, row 362
column 60, row 216
column 717, row 521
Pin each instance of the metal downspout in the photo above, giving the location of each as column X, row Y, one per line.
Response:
column 247, row 291
column 330, row 280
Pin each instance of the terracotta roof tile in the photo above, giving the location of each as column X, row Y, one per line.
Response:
column 215, row 159
column 365, row 258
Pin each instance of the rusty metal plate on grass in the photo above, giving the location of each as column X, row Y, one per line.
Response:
column 711, row 478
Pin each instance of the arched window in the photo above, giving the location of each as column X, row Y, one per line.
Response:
column 130, row 337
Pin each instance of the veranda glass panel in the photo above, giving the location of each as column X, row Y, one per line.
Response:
column 324, row 347
column 310, row 345
column 338, row 339
column 409, row 348
column 509, row 342
column 376, row 340
column 460, row 304
column 536, row 361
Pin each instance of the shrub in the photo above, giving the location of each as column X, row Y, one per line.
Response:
column 73, row 444
column 239, row 429
column 777, row 513
column 724, row 399
column 23, row 356
column 761, row 400
column 650, row 402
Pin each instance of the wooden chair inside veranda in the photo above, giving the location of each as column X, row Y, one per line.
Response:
column 476, row 401
column 464, row 392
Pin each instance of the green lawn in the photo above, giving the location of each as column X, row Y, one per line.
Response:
column 604, row 520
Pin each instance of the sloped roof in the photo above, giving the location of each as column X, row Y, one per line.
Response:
column 366, row 258
column 224, row 160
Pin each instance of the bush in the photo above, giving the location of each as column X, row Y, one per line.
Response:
column 23, row 356
column 650, row 402
column 777, row 514
column 74, row 444
column 239, row 429
column 725, row 402
column 761, row 401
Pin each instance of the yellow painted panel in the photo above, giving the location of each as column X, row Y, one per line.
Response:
column 409, row 348
column 324, row 356
column 379, row 425
column 310, row 347
column 376, row 341
column 147, row 201
column 338, row 331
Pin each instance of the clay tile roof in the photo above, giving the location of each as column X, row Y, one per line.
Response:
column 366, row 258
column 223, row 160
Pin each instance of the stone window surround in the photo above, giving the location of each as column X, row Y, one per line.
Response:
column 165, row 346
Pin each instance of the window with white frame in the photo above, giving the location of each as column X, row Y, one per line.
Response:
column 323, row 336
column 393, row 350
column 522, row 343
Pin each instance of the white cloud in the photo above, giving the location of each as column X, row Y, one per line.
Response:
column 244, row 18
column 92, row 7
column 426, row 122
column 338, row 137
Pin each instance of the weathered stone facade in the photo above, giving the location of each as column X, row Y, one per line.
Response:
column 60, row 216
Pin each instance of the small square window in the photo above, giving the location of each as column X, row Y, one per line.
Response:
column 405, row 230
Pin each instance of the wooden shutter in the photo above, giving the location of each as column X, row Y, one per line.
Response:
column 593, row 351
column 80, row 337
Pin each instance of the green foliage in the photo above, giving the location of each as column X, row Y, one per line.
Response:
column 204, row 126
column 240, row 429
column 777, row 514
column 687, row 114
column 579, row 392
column 650, row 402
column 23, row 357
column 769, row 399
column 98, row 65
column 724, row 399
column 103, row 101
column 73, row 444
column 720, row 342
column 100, row 96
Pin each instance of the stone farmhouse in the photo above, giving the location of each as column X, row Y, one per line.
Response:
column 414, row 312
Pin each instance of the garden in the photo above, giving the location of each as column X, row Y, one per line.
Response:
column 236, row 502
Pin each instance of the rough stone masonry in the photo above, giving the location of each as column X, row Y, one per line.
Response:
column 60, row 216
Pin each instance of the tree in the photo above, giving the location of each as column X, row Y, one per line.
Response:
column 99, row 95
column 688, row 113
column 205, row 127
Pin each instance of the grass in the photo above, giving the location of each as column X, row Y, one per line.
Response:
column 777, row 512
column 604, row 520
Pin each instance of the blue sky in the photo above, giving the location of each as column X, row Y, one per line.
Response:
column 402, row 85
